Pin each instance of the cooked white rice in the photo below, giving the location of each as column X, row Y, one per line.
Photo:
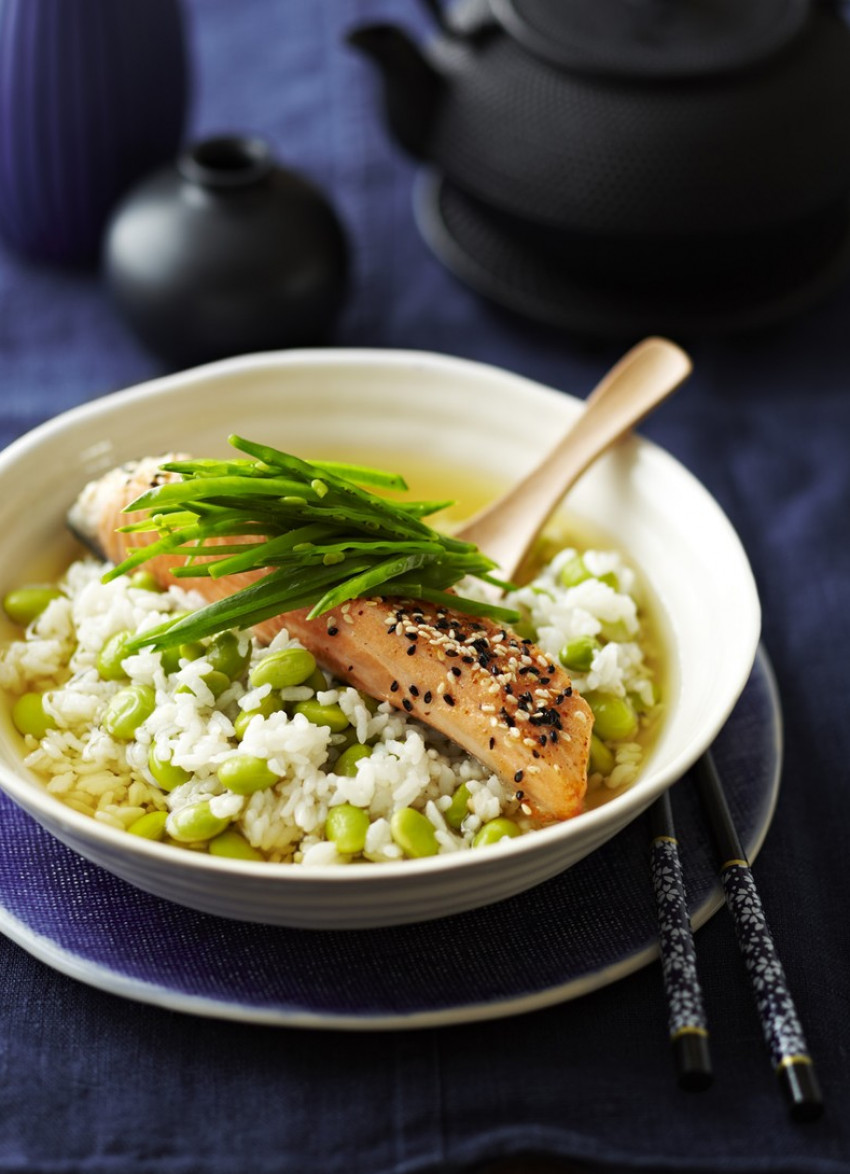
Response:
column 410, row 765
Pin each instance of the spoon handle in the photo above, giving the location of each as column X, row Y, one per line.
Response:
column 644, row 377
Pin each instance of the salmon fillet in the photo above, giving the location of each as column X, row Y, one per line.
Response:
column 499, row 697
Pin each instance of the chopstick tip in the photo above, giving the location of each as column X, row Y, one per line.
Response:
column 693, row 1061
column 800, row 1084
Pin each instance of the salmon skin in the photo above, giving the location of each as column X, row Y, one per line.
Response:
column 496, row 695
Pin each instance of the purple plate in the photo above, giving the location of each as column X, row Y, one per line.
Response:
column 590, row 926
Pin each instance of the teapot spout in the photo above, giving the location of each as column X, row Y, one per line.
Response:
column 411, row 84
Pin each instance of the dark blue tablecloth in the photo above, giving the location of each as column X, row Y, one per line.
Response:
column 91, row 1082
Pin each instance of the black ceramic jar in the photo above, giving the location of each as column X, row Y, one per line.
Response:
column 226, row 252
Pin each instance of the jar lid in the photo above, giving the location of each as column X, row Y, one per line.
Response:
column 652, row 38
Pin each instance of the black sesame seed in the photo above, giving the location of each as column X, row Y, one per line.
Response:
column 518, row 777
column 543, row 739
column 427, row 698
column 468, row 659
column 519, row 796
column 449, row 700
column 411, row 650
column 456, row 671
column 535, row 754
column 394, row 687
column 492, row 743
column 408, row 705
column 333, row 631
column 568, row 692
column 480, row 645
column 414, row 692
column 452, row 652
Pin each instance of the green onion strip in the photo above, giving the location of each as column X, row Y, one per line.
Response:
column 319, row 534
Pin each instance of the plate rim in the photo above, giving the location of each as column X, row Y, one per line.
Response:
column 100, row 977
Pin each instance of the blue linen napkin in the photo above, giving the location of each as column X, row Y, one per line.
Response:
column 94, row 1083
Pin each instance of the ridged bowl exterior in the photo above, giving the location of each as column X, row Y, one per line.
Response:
column 93, row 94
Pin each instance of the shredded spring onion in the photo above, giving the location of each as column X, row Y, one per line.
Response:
column 322, row 537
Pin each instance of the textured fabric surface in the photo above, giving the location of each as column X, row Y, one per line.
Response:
column 94, row 1083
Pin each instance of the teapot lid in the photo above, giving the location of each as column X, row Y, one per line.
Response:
column 652, row 38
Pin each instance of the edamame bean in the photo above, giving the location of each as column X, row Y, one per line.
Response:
column 495, row 830
column 150, row 826
column 414, row 833
column 127, row 710
column 611, row 579
column 216, row 683
column 614, row 718
column 573, row 572
column 323, row 715
column 109, row 659
column 233, row 846
column 245, row 774
column 270, row 704
column 30, row 717
column 224, row 655
column 458, row 809
column 25, row 604
column 166, row 773
column 145, row 581
column 290, row 666
column 616, row 631
column 601, row 759
column 346, row 764
column 195, row 823
column 194, row 650
column 346, row 826
column 317, row 681
column 371, row 703
column 578, row 654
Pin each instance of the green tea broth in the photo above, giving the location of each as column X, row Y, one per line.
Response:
column 470, row 491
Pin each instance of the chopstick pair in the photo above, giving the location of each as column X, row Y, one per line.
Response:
column 783, row 1033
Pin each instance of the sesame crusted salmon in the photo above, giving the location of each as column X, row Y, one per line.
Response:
column 498, row 696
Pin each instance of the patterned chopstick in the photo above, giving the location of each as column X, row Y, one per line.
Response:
column 781, row 1026
column 685, row 1010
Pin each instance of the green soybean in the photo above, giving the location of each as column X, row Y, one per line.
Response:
column 166, row 773
column 150, row 826
column 245, row 774
column 25, row 604
column 614, row 718
column 316, row 681
column 145, row 581
column 195, row 823
column 270, row 704
column 458, row 809
column 323, row 715
column 495, row 830
column 578, row 654
column 346, row 826
column 193, row 650
column 111, row 656
column 573, row 572
column 602, row 761
column 414, row 833
column 233, row 845
column 216, row 683
column 347, row 762
column 30, row 717
column 290, row 666
column 225, row 657
column 127, row 710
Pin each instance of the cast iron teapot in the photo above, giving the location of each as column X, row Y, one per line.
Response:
column 615, row 164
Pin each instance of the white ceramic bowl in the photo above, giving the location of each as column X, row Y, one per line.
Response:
column 461, row 414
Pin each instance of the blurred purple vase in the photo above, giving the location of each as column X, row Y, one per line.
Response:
column 93, row 94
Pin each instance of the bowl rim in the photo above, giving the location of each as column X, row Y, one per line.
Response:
column 620, row 809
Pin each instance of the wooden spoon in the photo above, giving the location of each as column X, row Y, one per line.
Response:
column 642, row 379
